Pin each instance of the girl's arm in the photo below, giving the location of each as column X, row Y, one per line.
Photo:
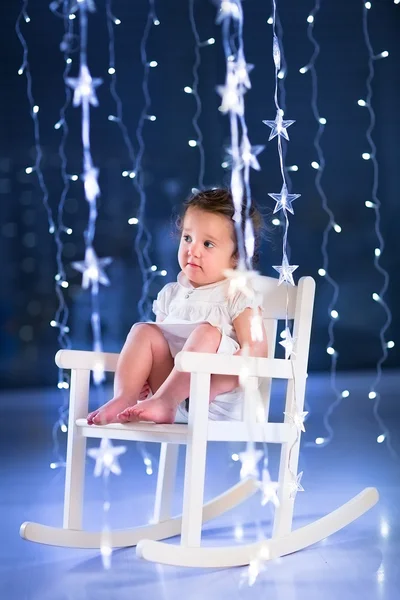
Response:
column 242, row 326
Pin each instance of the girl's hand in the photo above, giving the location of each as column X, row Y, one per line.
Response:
column 145, row 391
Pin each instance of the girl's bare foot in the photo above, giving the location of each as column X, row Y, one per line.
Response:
column 108, row 413
column 157, row 410
column 91, row 416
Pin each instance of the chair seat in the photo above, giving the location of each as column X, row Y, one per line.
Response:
column 222, row 431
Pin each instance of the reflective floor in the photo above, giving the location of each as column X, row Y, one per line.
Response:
column 360, row 562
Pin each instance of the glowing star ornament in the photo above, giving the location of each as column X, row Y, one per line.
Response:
column 288, row 344
column 229, row 9
column 297, row 418
column 256, row 328
column 249, row 460
column 92, row 269
column 84, row 87
column 241, row 280
column 91, row 185
column 242, row 70
column 279, row 126
column 268, row 489
column 256, row 566
column 106, row 458
column 286, row 272
column 232, row 97
column 84, row 4
column 249, row 153
column 284, row 200
column 295, row 486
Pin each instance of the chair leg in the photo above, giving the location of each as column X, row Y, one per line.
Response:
column 165, row 481
column 288, row 465
column 76, row 450
column 195, row 465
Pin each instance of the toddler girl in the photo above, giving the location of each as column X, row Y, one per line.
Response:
column 196, row 313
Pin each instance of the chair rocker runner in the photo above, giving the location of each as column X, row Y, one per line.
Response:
column 298, row 301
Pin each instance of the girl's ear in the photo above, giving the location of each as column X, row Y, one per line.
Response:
column 235, row 259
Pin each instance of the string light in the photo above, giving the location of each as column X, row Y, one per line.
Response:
column 378, row 297
column 55, row 228
column 194, row 90
column 319, row 166
column 242, row 157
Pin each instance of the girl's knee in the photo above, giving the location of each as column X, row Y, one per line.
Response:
column 208, row 333
column 147, row 330
column 209, row 329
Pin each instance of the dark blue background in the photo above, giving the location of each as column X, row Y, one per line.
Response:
column 27, row 252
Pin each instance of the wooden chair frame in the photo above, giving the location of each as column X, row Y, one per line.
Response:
column 279, row 301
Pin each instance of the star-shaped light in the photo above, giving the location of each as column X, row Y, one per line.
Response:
column 249, row 460
column 241, row 280
column 91, row 184
column 88, row 4
column 232, row 100
column 288, row 344
column 279, row 126
column 231, row 92
column 248, row 154
column 256, row 566
column 242, row 70
column 229, row 8
column 268, row 489
column 92, row 269
column 84, row 87
column 106, row 458
column 257, row 328
column 285, row 271
column 284, row 200
column 295, row 485
column 297, row 418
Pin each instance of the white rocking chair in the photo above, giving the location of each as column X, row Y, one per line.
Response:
column 190, row 552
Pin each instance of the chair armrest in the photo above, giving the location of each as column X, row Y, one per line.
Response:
column 220, row 364
column 81, row 359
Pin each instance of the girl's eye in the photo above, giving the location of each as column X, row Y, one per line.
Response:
column 186, row 238
column 211, row 244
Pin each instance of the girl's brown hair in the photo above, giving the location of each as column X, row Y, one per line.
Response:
column 219, row 201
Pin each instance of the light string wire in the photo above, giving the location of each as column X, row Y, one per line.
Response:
column 374, row 394
column 106, row 455
column 62, row 314
column 55, row 229
column 112, row 21
column 143, row 237
column 282, row 75
column 92, row 267
column 195, row 92
column 331, row 225
column 244, row 156
column 284, row 201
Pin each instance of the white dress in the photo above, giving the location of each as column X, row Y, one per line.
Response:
column 182, row 308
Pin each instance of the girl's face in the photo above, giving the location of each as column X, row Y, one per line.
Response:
column 206, row 247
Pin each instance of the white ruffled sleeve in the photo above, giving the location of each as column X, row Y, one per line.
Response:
column 239, row 302
column 161, row 304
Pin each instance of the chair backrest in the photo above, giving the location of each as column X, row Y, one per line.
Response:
column 280, row 302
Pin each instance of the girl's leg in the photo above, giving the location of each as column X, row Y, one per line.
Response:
column 144, row 357
column 161, row 408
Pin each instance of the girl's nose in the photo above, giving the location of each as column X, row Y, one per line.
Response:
column 195, row 249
